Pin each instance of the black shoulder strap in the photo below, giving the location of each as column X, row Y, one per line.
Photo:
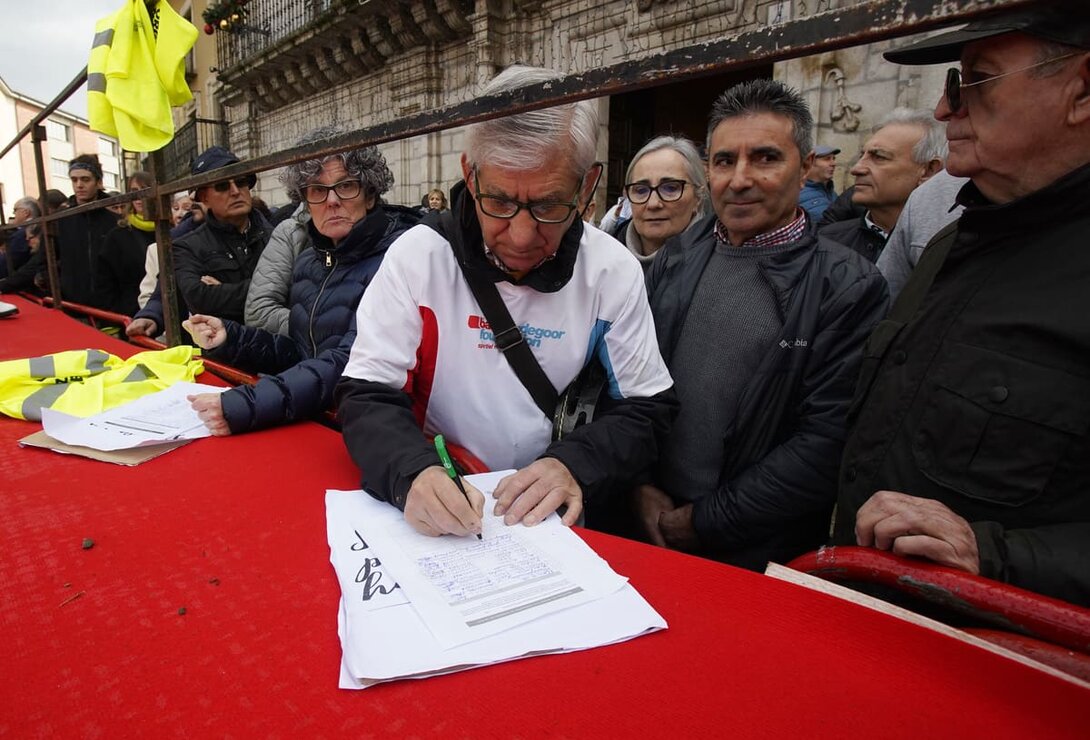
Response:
column 919, row 283
column 506, row 335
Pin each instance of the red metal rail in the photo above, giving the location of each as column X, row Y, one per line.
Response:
column 997, row 604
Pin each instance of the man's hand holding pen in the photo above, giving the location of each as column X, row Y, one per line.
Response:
column 435, row 506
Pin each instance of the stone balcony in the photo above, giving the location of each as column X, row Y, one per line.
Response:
column 289, row 50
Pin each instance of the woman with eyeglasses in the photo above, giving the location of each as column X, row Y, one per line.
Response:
column 340, row 235
column 668, row 190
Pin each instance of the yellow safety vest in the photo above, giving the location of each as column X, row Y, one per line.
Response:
column 86, row 382
column 134, row 75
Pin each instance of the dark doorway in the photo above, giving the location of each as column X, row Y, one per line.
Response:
column 679, row 110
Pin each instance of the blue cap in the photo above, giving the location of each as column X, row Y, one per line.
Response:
column 825, row 151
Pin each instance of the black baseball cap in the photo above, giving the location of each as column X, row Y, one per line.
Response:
column 1065, row 22
column 212, row 158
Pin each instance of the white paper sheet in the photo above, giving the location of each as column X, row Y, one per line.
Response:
column 153, row 419
column 383, row 637
column 465, row 589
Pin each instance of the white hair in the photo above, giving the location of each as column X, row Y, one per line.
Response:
column 694, row 165
column 528, row 141
column 932, row 145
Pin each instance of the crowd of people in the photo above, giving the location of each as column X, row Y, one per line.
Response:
column 900, row 366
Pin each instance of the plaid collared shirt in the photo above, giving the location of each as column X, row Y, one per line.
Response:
column 784, row 235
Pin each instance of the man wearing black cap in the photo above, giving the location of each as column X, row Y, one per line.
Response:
column 214, row 262
column 818, row 191
column 971, row 439
column 80, row 237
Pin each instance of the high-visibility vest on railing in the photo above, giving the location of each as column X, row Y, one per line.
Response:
column 85, row 382
column 136, row 73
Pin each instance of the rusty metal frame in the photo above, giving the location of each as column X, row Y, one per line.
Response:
column 833, row 29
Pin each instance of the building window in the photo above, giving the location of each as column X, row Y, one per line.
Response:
column 58, row 167
column 109, row 180
column 58, row 131
column 106, row 148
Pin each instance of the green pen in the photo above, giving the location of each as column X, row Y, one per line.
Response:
column 448, row 465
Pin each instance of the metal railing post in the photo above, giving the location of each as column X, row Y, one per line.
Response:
column 164, row 246
column 53, row 268
column 5, row 237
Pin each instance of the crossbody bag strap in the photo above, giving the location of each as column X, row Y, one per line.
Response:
column 506, row 335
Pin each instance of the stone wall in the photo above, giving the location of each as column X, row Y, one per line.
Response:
column 848, row 89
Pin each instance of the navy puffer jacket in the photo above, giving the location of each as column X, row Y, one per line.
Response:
column 301, row 369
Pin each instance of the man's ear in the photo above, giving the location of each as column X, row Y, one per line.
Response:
column 590, row 182
column 931, row 169
column 807, row 163
column 466, row 168
column 1079, row 112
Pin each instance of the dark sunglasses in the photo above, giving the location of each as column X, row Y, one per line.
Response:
column 954, row 85
column 242, row 181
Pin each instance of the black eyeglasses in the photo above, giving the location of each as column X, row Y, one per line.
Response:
column 954, row 85
column 542, row 211
column 668, row 191
column 242, row 181
column 345, row 190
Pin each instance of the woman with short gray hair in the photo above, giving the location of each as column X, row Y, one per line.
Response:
column 341, row 232
column 668, row 190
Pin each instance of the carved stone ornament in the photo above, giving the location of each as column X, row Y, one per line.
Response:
column 844, row 112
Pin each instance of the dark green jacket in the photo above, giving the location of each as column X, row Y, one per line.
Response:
column 980, row 399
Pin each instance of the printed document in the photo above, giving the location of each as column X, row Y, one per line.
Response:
column 384, row 637
column 154, row 419
column 465, row 589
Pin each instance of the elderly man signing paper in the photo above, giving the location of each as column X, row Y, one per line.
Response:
column 427, row 361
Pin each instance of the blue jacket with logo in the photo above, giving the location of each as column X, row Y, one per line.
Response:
column 782, row 452
column 815, row 197
column 301, row 369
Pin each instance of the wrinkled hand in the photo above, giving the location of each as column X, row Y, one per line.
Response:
column 919, row 527
column 677, row 529
column 209, row 280
column 435, row 506
column 209, row 408
column 650, row 504
column 207, row 331
column 538, row 490
column 141, row 328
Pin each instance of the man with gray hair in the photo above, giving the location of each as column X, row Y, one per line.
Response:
column 970, row 445
column 762, row 325
column 16, row 251
column 428, row 360
column 905, row 149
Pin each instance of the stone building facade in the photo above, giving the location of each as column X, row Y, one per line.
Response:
column 292, row 65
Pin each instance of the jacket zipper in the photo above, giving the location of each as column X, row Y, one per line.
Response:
column 330, row 262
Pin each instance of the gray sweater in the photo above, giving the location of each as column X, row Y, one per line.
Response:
column 927, row 210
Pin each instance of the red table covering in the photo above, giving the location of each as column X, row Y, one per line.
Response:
column 232, row 530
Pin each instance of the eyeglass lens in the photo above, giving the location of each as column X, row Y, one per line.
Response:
column 243, row 181
column 548, row 212
column 668, row 190
column 345, row 190
column 953, row 89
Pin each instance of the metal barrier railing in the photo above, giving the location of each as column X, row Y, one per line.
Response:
column 825, row 31
column 191, row 138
